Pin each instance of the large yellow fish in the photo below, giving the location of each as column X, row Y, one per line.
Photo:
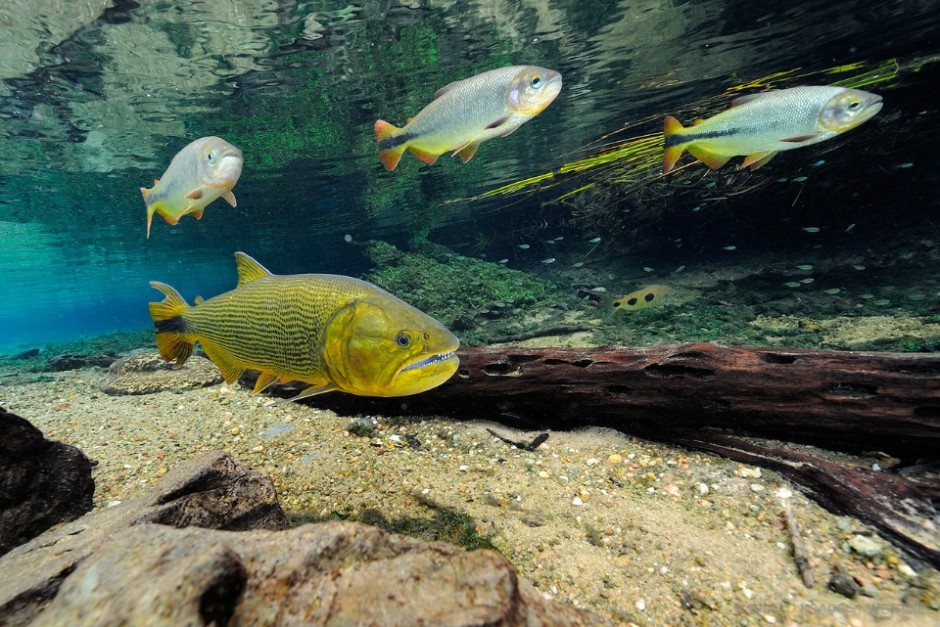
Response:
column 467, row 112
column 759, row 126
column 199, row 173
column 332, row 332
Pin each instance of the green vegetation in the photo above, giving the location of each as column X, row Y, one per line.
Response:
column 459, row 291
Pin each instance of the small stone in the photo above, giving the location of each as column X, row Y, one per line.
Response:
column 863, row 545
column 671, row 489
column 842, row 584
column 615, row 459
column 703, row 488
column 593, row 461
column 640, row 605
column 543, row 474
column 577, row 502
column 748, row 473
column 907, row 571
column 756, row 487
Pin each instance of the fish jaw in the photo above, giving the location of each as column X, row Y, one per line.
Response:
column 849, row 109
column 226, row 172
column 381, row 346
column 532, row 90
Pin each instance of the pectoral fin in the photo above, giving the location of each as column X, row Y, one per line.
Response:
column 313, row 390
column 230, row 198
column 196, row 194
column 797, row 139
column 497, row 123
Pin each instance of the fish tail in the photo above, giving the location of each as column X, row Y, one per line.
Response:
column 674, row 145
column 391, row 144
column 151, row 208
column 172, row 337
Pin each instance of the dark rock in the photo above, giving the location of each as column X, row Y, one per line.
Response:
column 211, row 490
column 71, row 361
column 146, row 373
column 27, row 354
column 42, row 482
column 843, row 584
column 116, row 566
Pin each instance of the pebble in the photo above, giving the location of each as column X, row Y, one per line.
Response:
column 863, row 545
column 703, row 488
column 756, row 487
column 748, row 473
column 616, row 458
column 843, row 584
column 640, row 605
column 577, row 502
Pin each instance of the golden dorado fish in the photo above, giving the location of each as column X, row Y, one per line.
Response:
column 465, row 113
column 759, row 126
column 332, row 332
column 199, row 173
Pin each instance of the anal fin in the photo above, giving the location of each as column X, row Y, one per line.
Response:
column 757, row 159
column 265, row 380
column 230, row 198
column 220, row 357
column 425, row 156
column 711, row 160
column 466, row 153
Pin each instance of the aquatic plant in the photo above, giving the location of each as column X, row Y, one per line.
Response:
column 455, row 289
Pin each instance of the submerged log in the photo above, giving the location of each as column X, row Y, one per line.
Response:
column 840, row 400
column 705, row 396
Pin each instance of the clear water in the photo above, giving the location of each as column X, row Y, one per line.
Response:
column 97, row 96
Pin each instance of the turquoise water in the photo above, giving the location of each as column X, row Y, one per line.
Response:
column 96, row 97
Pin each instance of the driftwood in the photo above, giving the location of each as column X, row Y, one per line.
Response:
column 698, row 395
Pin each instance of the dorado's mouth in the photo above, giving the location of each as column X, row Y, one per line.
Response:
column 428, row 361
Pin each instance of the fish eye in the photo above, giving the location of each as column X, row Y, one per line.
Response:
column 855, row 104
column 536, row 81
column 402, row 340
column 211, row 156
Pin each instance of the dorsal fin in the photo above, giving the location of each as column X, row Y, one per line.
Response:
column 248, row 269
column 740, row 100
column 446, row 88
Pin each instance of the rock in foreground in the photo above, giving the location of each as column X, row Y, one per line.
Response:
column 42, row 482
column 141, row 563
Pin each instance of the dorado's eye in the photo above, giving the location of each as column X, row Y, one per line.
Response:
column 402, row 340
column 536, row 81
column 211, row 156
column 855, row 104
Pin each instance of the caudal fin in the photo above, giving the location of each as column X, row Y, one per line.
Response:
column 171, row 328
column 390, row 151
column 674, row 148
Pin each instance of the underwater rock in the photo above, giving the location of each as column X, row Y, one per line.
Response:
column 211, row 491
column 71, row 361
column 117, row 566
column 329, row 573
column 42, row 482
column 27, row 354
column 147, row 373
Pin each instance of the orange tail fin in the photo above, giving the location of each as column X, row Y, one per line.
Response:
column 673, row 149
column 389, row 151
column 168, row 319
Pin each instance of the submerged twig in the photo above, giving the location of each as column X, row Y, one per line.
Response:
column 531, row 446
column 799, row 549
